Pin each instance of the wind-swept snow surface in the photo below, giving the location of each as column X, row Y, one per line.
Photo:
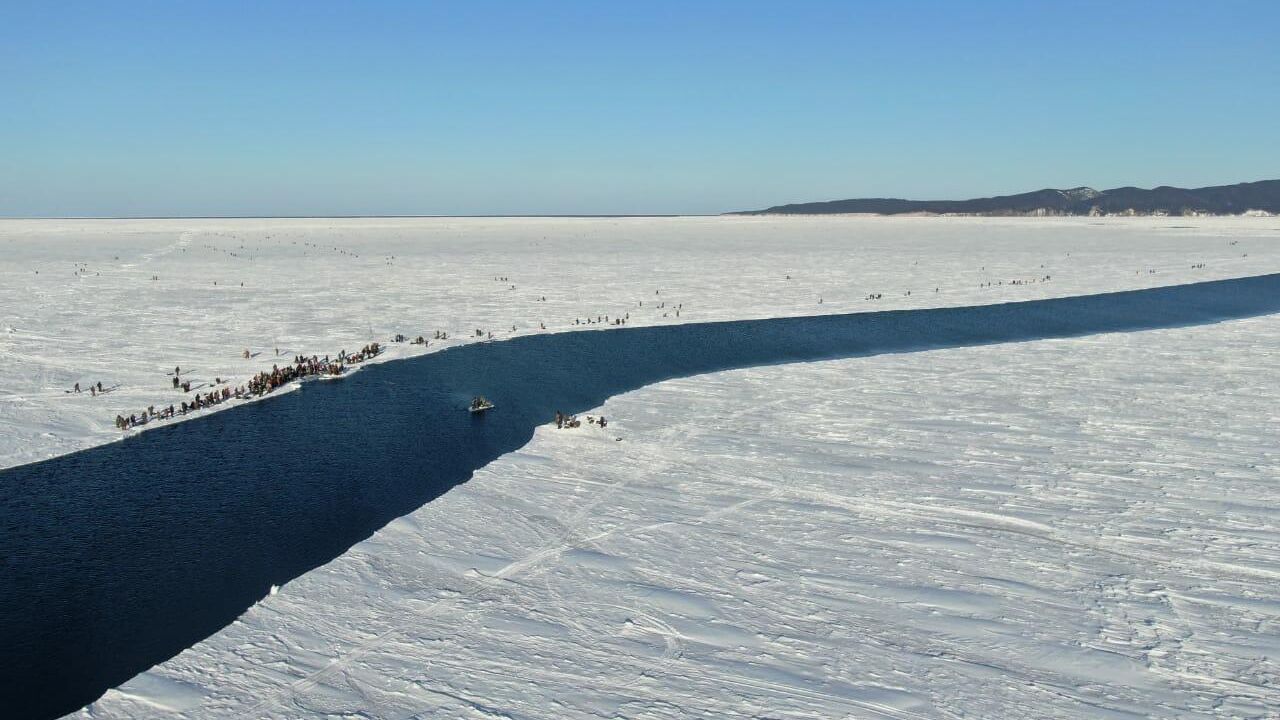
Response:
column 1066, row 528
column 1051, row 529
column 125, row 302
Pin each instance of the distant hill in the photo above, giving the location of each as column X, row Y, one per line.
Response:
column 1218, row 200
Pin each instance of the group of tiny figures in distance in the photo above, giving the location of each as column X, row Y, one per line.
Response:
column 604, row 319
column 95, row 389
column 439, row 335
column 261, row 384
column 571, row 421
column 991, row 283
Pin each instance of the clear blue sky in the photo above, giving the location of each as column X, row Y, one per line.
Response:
column 228, row 108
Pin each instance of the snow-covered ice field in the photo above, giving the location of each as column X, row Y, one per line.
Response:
column 122, row 302
column 1060, row 528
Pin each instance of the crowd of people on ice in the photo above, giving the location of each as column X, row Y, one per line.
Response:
column 571, row 421
column 258, row 385
column 602, row 320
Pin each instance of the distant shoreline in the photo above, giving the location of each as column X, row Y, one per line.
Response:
column 1263, row 215
column 1261, row 197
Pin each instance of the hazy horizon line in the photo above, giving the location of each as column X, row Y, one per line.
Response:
column 355, row 216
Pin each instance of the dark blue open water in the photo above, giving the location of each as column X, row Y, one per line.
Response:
column 116, row 558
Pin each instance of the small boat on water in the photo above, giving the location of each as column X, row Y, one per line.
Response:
column 479, row 404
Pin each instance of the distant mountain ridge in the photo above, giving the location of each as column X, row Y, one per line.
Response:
column 1262, row 196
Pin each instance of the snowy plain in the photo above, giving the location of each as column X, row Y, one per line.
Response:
column 1052, row 529
column 1060, row 528
column 123, row 302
